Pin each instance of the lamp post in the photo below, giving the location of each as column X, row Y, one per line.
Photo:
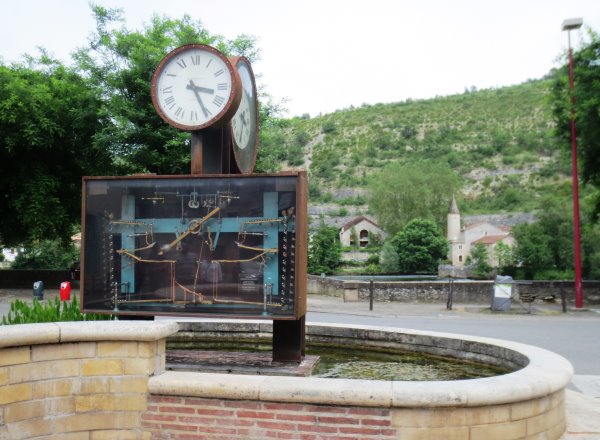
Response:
column 569, row 25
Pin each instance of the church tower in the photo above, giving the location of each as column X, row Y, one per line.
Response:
column 453, row 231
column 457, row 248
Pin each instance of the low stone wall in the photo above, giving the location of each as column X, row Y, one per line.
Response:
column 408, row 291
column 525, row 404
column 325, row 286
column 106, row 380
column 428, row 291
column 78, row 380
column 464, row 291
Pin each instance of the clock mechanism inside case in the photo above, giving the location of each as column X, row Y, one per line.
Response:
column 191, row 245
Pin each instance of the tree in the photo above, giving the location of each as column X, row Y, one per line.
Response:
column 591, row 251
column 49, row 119
column 587, row 107
column 389, row 258
column 479, row 259
column 402, row 192
column 420, row 247
column 533, row 248
column 47, row 254
column 505, row 255
column 557, row 224
column 120, row 63
column 324, row 250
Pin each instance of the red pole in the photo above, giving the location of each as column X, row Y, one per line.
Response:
column 576, row 228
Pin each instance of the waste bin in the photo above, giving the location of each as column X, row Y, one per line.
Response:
column 65, row 291
column 38, row 290
column 502, row 295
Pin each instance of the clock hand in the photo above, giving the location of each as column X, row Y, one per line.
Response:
column 192, row 87
column 205, row 90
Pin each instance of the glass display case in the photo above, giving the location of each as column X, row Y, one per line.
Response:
column 216, row 245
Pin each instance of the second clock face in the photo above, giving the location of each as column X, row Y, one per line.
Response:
column 194, row 87
column 244, row 124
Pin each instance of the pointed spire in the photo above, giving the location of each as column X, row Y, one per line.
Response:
column 453, row 206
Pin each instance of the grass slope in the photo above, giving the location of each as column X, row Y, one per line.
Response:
column 499, row 140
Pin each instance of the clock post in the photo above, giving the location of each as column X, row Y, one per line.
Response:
column 210, row 152
column 222, row 116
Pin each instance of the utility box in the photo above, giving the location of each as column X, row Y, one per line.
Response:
column 502, row 294
column 65, row 291
column 38, row 290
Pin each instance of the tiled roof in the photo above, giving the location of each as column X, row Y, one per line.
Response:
column 490, row 239
column 357, row 220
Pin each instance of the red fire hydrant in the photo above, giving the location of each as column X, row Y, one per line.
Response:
column 65, row 291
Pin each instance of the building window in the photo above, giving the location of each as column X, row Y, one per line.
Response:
column 460, row 258
column 364, row 238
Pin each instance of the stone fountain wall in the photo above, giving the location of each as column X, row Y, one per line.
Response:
column 106, row 380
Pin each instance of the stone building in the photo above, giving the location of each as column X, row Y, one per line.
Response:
column 363, row 229
column 463, row 239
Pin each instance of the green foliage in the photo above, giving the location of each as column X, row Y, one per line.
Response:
column 389, row 258
column 324, row 250
column 533, row 248
column 53, row 311
column 281, row 145
column 590, row 248
column 420, row 247
column 328, row 127
column 479, row 258
column 402, row 192
column 49, row 119
column 47, row 254
column 505, row 255
column 586, row 93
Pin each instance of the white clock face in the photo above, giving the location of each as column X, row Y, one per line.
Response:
column 242, row 127
column 193, row 88
column 244, row 122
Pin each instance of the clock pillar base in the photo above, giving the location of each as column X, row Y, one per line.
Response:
column 289, row 340
column 210, row 152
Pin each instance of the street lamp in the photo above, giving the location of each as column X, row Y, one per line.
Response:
column 569, row 25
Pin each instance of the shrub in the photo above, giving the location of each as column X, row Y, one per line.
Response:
column 53, row 311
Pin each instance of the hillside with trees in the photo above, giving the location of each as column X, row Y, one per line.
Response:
column 500, row 142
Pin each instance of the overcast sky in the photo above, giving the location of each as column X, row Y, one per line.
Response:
column 325, row 55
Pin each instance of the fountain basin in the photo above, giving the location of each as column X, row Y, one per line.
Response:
column 108, row 380
column 527, row 402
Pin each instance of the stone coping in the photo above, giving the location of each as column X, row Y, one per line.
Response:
column 544, row 374
column 80, row 331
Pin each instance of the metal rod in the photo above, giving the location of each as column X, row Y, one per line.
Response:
column 450, row 294
column 576, row 226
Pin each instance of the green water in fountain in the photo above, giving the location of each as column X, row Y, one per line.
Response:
column 353, row 364
column 367, row 363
